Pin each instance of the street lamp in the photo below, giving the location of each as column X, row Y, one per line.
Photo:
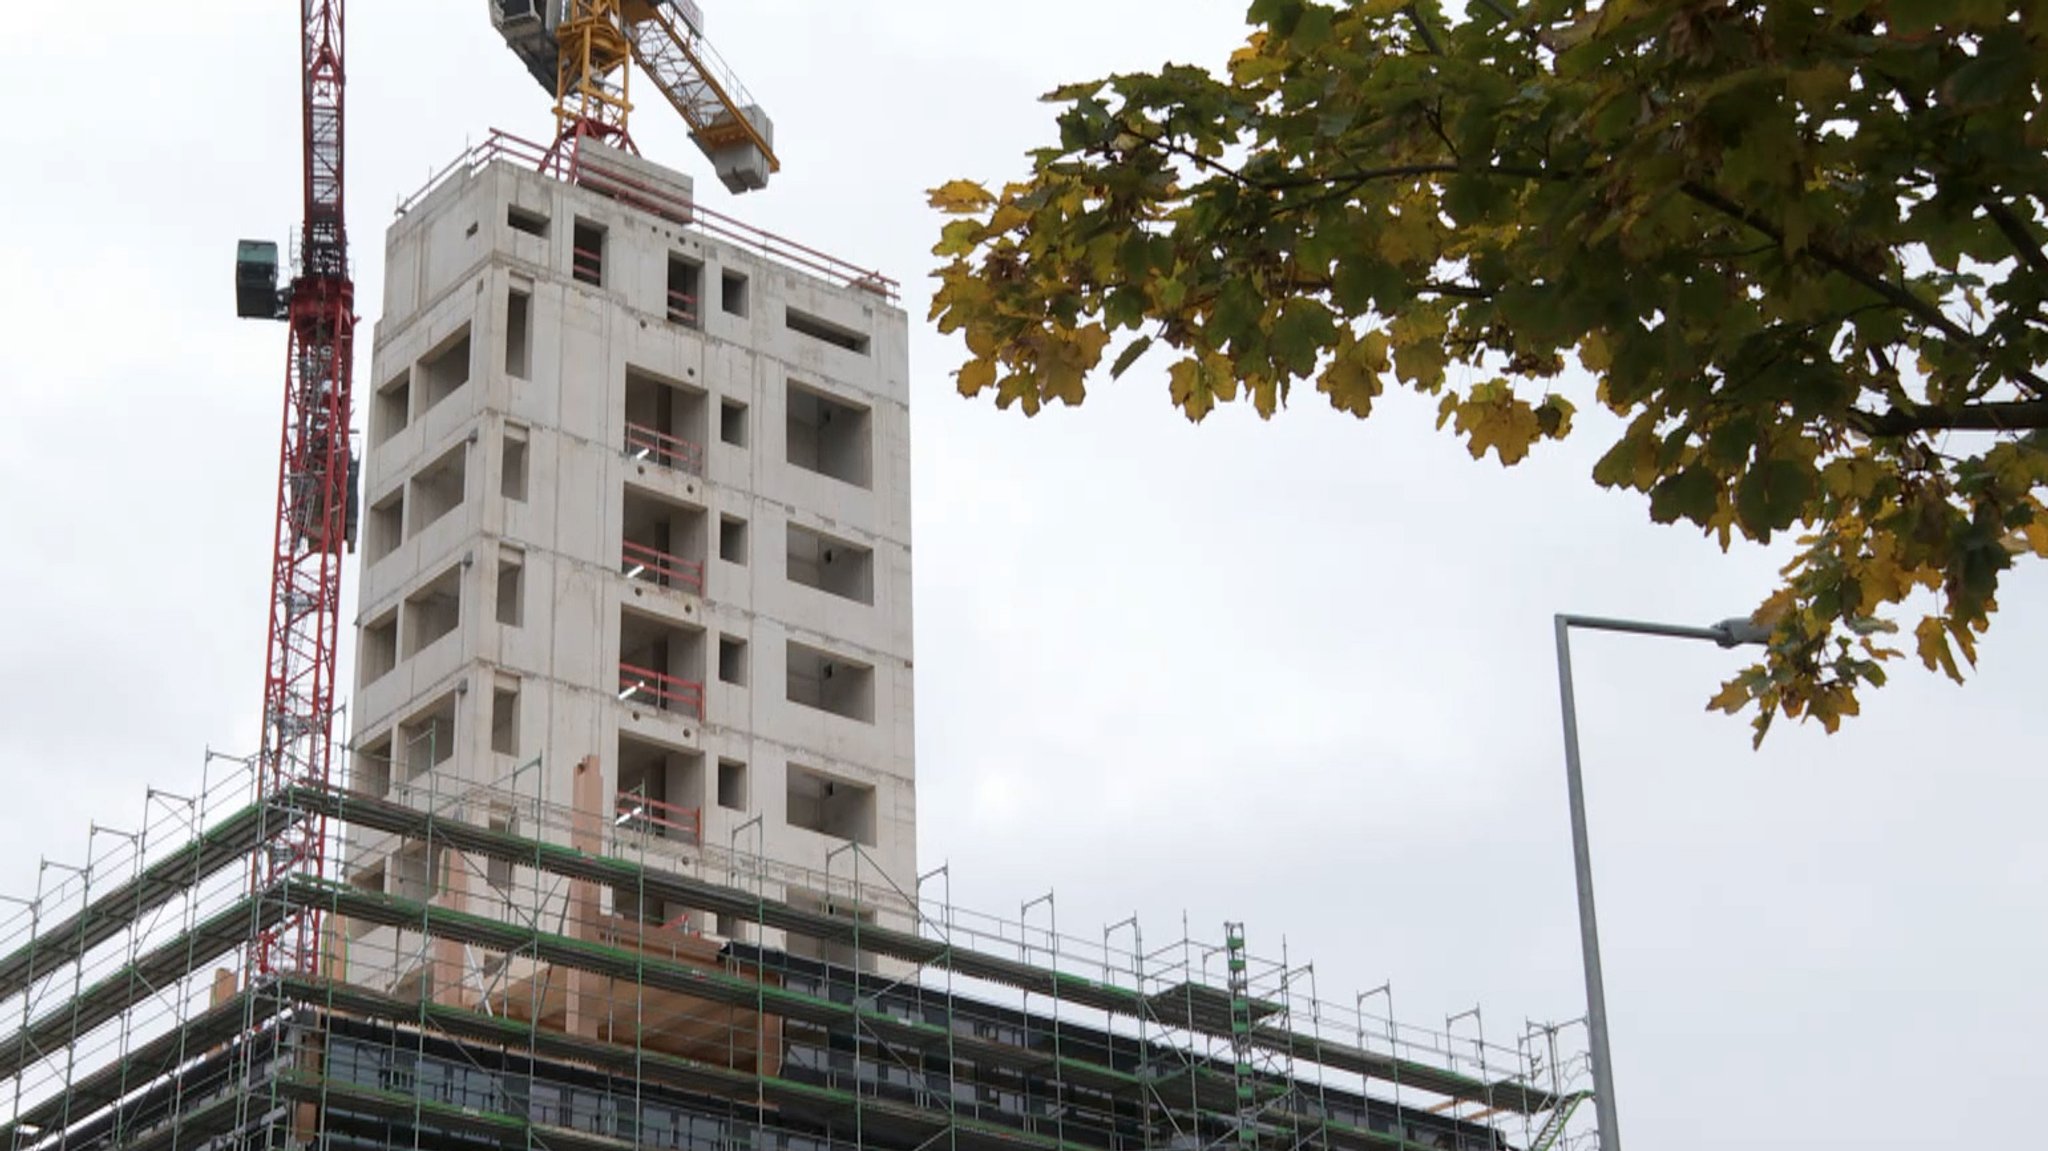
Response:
column 1728, row 633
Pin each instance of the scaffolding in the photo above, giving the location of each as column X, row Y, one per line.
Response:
column 517, row 972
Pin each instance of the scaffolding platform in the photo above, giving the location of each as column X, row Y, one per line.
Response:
column 517, row 990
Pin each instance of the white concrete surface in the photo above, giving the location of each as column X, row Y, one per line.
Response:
column 554, row 386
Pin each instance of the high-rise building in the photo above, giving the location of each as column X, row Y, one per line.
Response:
column 637, row 491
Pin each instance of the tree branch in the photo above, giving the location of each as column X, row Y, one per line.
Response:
column 2010, row 416
column 1899, row 297
column 2023, row 242
column 1414, row 14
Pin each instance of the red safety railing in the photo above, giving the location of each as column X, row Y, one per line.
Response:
column 587, row 265
column 627, row 189
column 661, row 569
column 644, row 685
column 645, row 443
column 636, row 812
column 682, row 308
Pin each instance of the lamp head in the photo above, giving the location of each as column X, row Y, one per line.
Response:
column 1742, row 632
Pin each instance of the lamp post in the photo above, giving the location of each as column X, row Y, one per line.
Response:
column 1728, row 633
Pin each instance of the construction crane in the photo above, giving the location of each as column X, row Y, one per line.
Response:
column 317, row 468
column 580, row 51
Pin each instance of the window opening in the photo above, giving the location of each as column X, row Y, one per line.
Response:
column 511, row 605
column 831, row 565
column 732, row 785
column 518, row 332
column 732, row 660
column 819, row 328
column 685, row 283
column 834, row 683
column 732, row 293
column 732, row 540
column 526, row 220
column 732, row 422
column 829, row 436
column 512, row 471
column 587, row 263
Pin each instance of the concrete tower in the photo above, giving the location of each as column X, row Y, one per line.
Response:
column 637, row 536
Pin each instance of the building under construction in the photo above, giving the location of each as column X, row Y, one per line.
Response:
column 559, row 1016
column 622, row 849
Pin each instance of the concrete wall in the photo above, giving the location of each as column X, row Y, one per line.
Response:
column 549, row 379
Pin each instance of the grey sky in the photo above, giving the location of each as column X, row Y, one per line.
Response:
column 1296, row 673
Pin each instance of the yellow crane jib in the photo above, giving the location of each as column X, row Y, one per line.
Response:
column 580, row 51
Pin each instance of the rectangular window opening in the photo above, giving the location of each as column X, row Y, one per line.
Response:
column 661, row 665
column 732, row 660
column 428, row 739
column 505, row 719
column 831, row 565
column 416, row 872
column 438, row 489
column 663, row 543
column 587, row 264
column 370, row 768
column 829, row 436
column 666, row 421
column 432, row 612
column 732, row 423
column 387, row 526
column 819, row 328
column 392, row 409
column 829, row 682
column 505, row 821
column 518, row 333
column 732, row 785
column 442, row 373
column 732, row 540
column 380, row 649
column 511, row 602
column 732, row 293
column 369, row 879
column 526, row 220
column 831, row 805
column 685, row 286
column 661, row 790
column 512, row 470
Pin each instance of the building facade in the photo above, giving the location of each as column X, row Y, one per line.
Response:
column 636, row 485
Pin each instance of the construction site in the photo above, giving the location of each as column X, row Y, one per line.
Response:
column 612, row 842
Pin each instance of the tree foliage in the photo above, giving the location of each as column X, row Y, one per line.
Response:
column 1796, row 246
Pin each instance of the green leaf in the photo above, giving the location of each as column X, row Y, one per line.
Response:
column 1772, row 495
column 1692, row 494
column 1129, row 356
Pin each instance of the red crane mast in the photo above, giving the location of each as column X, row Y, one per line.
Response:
column 316, row 509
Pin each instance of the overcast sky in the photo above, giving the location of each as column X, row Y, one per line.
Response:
column 1296, row 673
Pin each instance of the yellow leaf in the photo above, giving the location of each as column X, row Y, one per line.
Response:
column 1934, row 652
column 2036, row 534
column 1964, row 639
column 1405, row 238
column 960, row 197
column 976, row 375
column 1008, row 218
column 1774, row 610
column 1352, row 377
column 1733, row 698
column 1594, row 352
column 1189, row 390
